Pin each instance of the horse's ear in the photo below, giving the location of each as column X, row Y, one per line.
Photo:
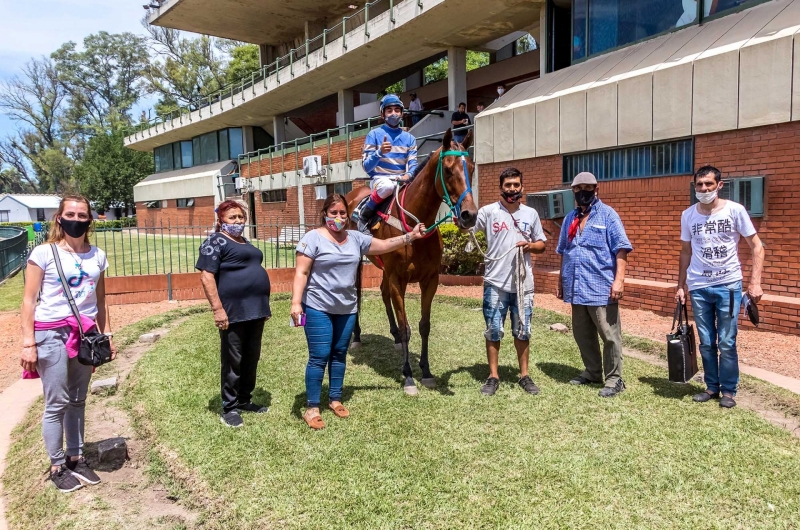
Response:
column 467, row 143
column 447, row 140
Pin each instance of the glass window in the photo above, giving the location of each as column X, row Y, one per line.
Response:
column 714, row 7
column 579, row 8
column 185, row 203
column 176, row 155
column 196, row 160
column 4, row 216
column 342, row 188
column 525, row 44
column 224, row 146
column 653, row 160
column 273, row 196
column 237, row 143
column 209, row 150
column 186, row 154
column 163, row 158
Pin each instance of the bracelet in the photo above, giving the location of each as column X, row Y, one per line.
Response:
column 408, row 239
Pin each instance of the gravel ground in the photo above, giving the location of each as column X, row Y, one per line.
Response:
column 770, row 351
column 121, row 315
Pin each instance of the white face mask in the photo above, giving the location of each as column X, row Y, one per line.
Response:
column 706, row 197
column 500, row 91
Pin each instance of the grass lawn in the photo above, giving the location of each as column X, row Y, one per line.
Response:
column 450, row 458
column 131, row 252
column 11, row 293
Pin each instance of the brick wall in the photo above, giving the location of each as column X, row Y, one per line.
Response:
column 278, row 214
column 292, row 161
column 198, row 217
column 651, row 208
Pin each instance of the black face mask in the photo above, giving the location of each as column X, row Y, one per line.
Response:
column 74, row 228
column 512, row 196
column 584, row 197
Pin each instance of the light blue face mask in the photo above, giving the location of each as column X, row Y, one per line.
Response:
column 393, row 120
column 233, row 229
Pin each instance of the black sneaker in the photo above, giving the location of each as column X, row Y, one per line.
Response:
column 727, row 402
column 64, row 480
column 490, row 386
column 232, row 419
column 528, row 385
column 611, row 391
column 580, row 380
column 81, row 469
column 252, row 407
column 702, row 397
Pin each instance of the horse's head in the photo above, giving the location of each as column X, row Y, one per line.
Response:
column 457, row 172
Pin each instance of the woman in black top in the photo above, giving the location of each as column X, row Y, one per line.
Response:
column 237, row 287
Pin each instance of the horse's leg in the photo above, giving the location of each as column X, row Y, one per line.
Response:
column 428, row 290
column 387, row 304
column 397, row 293
column 356, row 344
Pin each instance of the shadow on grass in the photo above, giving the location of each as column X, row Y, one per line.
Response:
column 260, row 397
column 666, row 388
column 378, row 353
column 559, row 372
column 479, row 372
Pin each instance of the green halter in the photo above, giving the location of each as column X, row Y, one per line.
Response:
column 454, row 208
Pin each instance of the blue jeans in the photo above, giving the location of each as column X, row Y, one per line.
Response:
column 717, row 327
column 496, row 304
column 328, row 338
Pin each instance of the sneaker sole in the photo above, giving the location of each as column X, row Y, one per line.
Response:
column 86, row 480
column 226, row 424
column 79, row 486
column 253, row 411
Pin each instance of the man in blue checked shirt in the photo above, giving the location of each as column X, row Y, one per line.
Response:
column 594, row 254
column 390, row 155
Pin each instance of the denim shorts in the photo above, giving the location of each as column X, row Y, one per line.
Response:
column 496, row 304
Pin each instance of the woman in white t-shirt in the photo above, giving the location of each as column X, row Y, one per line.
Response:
column 50, row 336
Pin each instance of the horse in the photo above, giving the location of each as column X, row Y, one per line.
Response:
column 444, row 177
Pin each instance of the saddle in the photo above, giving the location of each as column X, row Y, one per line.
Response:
column 382, row 214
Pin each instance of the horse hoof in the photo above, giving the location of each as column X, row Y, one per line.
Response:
column 410, row 388
column 355, row 345
column 428, row 382
column 398, row 346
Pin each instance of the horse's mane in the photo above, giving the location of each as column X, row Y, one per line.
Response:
column 421, row 166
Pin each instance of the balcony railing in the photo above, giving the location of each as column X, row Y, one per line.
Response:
column 260, row 76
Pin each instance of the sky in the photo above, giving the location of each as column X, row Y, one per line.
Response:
column 32, row 28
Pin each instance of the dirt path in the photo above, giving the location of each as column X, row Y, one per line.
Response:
column 769, row 351
column 121, row 315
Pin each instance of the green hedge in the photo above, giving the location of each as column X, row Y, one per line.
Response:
column 99, row 226
column 455, row 259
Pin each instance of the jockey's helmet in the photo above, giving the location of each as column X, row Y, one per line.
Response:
column 390, row 100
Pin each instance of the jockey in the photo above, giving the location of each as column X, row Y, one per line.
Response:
column 390, row 155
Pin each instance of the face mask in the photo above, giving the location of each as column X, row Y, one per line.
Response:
column 512, row 196
column 706, row 197
column 393, row 120
column 74, row 228
column 335, row 223
column 501, row 91
column 584, row 197
column 232, row 229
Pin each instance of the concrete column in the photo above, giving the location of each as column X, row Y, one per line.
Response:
column 413, row 81
column 541, row 40
column 456, row 77
column 300, row 199
column 345, row 114
column 278, row 129
column 247, row 139
column 267, row 54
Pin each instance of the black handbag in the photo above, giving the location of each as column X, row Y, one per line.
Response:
column 681, row 347
column 95, row 347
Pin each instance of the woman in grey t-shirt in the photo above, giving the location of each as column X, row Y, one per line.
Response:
column 324, row 293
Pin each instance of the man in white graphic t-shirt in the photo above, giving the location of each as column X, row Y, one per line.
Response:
column 711, row 272
column 509, row 225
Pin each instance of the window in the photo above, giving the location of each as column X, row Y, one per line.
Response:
column 747, row 191
column 163, row 158
column 177, row 161
column 525, row 44
column 716, row 7
column 186, row 154
column 185, row 203
column 236, row 142
column 273, row 196
column 652, row 160
column 4, row 216
column 224, row 145
column 209, row 148
column 196, row 151
column 342, row 188
column 40, row 214
column 153, row 204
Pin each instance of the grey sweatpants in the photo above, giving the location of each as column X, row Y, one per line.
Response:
column 587, row 323
column 65, row 382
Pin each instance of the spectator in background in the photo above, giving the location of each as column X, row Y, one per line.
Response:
column 594, row 254
column 51, row 335
column 324, row 290
column 415, row 106
column 711, row 272
column 480, row 107
column 501, row 89
column 237, row 287
column 460, row 119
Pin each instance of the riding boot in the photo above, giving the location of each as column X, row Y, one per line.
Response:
column 368, row 211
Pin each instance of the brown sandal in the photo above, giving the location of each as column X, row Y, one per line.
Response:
column 340, row 411
column 315, row 422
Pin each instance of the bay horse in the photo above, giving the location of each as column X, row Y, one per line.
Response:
column 444, row 177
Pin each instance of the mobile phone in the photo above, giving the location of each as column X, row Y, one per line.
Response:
column 302, row 321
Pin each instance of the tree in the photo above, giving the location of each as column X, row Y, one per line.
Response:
column 244, row 61
column 12, row 182
column 106, row 76
column 438, row 70
column 109, row 170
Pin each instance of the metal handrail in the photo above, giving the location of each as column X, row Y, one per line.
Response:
column 263, row 73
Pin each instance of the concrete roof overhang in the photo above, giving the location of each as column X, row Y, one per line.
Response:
column 414, row 37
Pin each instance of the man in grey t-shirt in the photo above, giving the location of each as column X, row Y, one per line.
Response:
column 508, row 225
